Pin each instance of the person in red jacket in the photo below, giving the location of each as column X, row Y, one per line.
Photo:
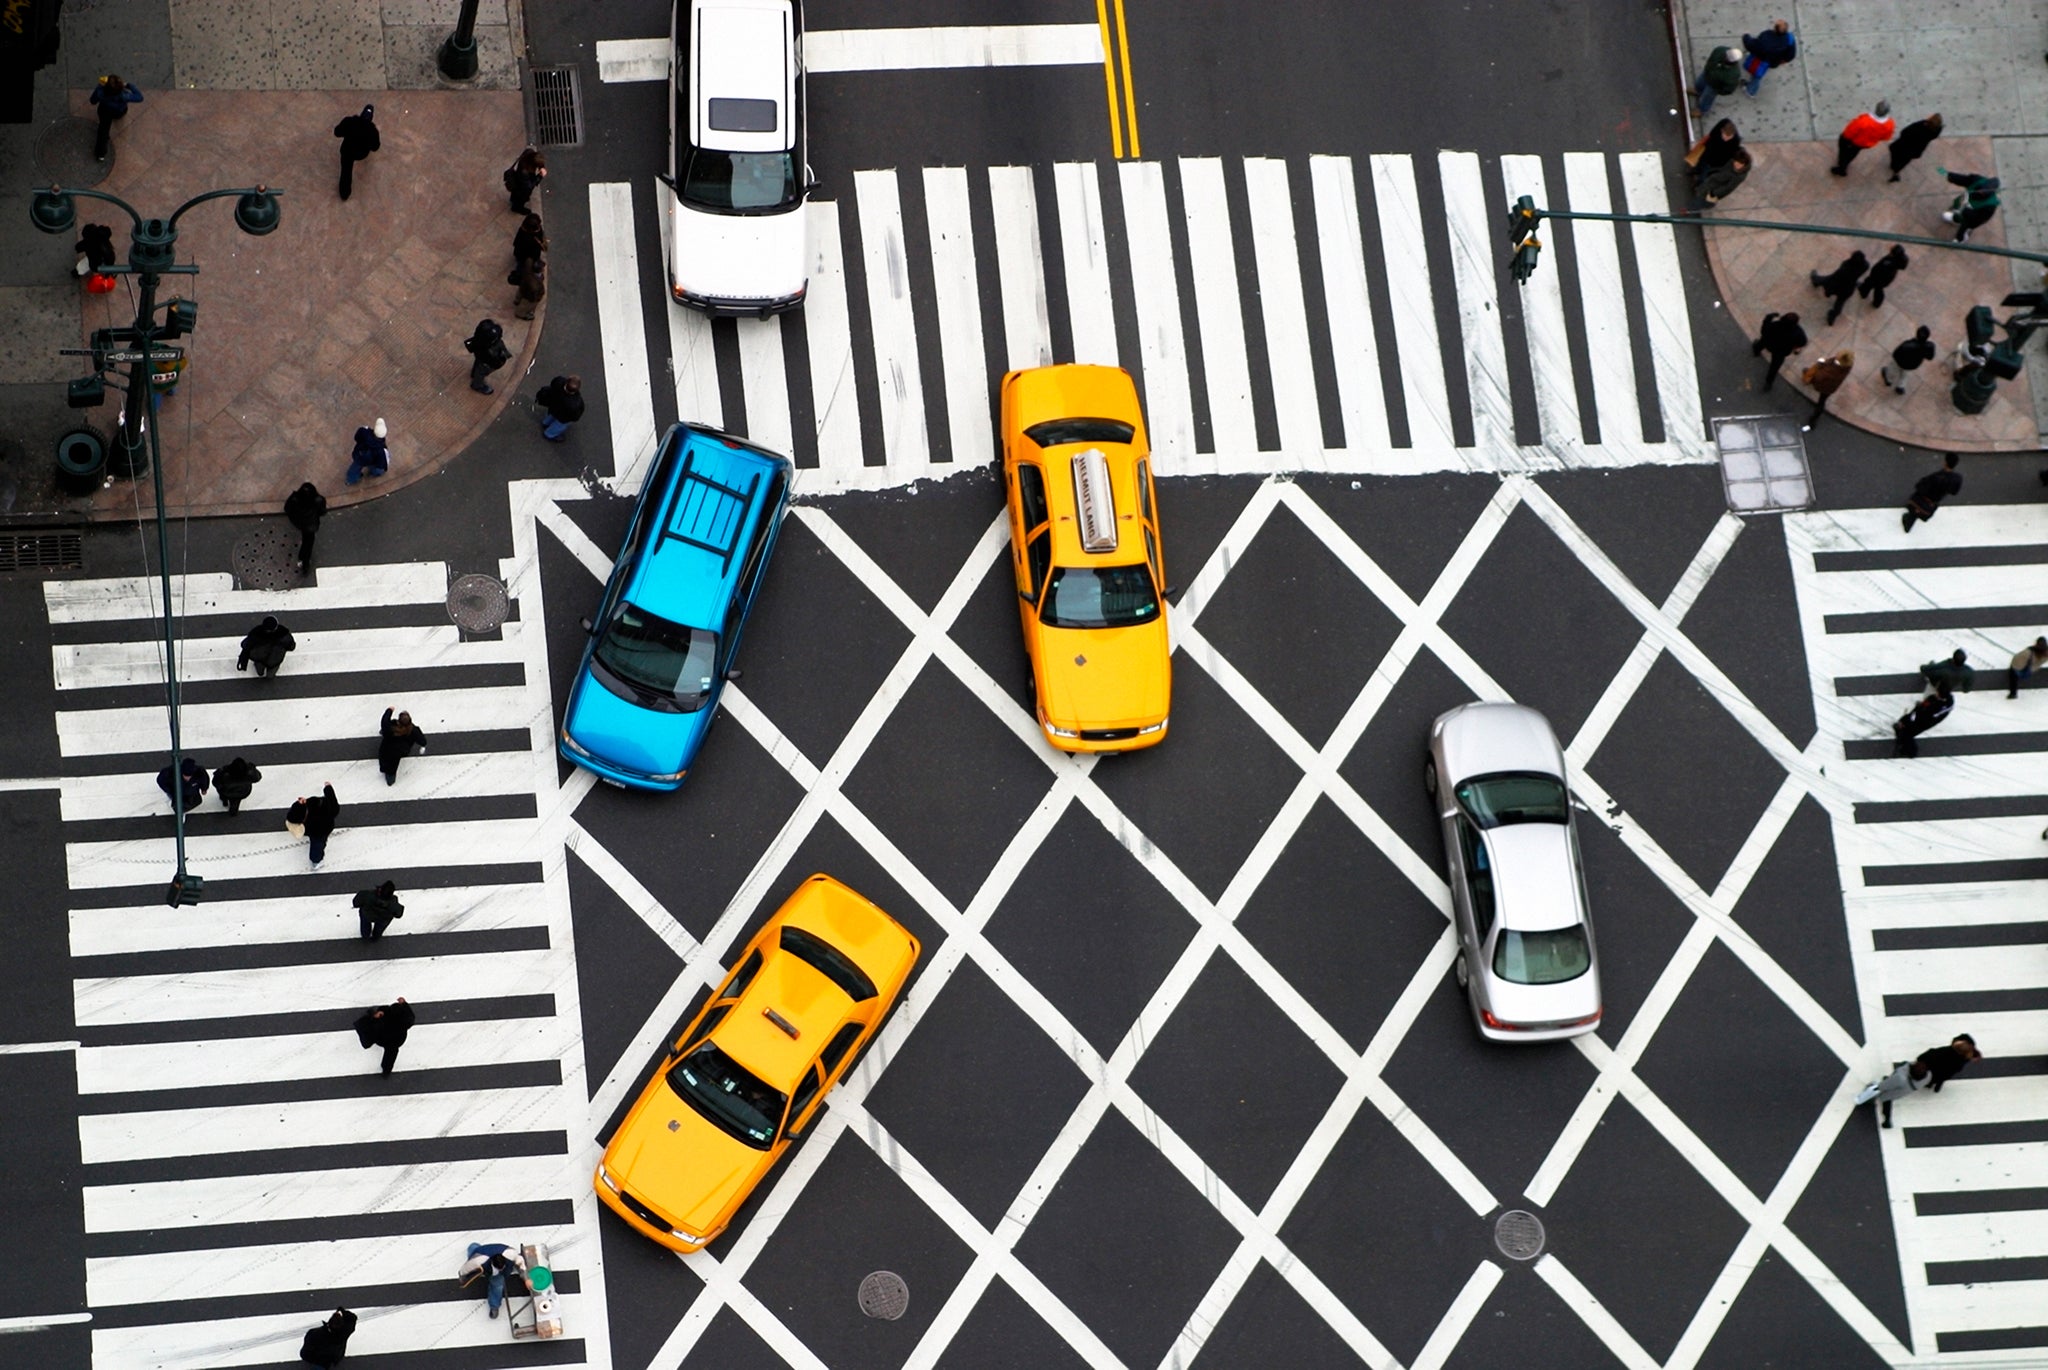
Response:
column 1863, row 132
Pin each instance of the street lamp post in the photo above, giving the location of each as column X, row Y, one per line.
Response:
column 152, row 253
column 458, row 54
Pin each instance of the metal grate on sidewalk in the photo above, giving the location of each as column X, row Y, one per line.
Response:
column 1763, row 463
column 555, row 107
column 42, row 552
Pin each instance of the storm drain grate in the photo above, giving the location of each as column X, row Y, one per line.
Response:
column 883, row 1294
column 555, row 109
column 42, row 552
column 1519, row 1235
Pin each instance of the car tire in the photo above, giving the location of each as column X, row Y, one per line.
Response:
column 1462, row 972
column 1429, row 777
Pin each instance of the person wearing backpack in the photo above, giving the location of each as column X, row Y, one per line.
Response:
column 487, row 346
column 524, row 176
column 1776, row 46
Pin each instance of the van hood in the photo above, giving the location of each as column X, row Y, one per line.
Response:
column 668, row 1156
column 1104, row 677
column 738, row 258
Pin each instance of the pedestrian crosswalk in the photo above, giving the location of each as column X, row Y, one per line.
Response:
column 1280, row 314
column 245, row 1168
column 1943, row 865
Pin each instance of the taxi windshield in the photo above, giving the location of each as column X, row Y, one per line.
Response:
column 729, row 1095
column 1099, row 597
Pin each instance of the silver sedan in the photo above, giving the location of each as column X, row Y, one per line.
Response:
column 1518, row 889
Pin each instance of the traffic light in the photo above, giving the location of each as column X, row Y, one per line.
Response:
column 184, row 889
column 1522, row 222
column 181, row 317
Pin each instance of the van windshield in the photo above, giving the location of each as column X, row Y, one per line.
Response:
column 1104, row 597
column 738, row 182
column 655, row 663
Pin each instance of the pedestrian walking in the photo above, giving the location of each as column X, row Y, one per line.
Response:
column 1776, row 46
column 561, row 401
column 95, row 248
column 1883, row 272
column 1908, row 357
column 1917, row 720
column 359, row 138
column 112, row 96
column 314, row 818
column 1718, row 184
column 190, row 783
column 1933, row 1067
column 397, row 738
column 487, row 346
column 376, row 907
column 530, row 241
column 494, row 1261
column 524, row 176
column 1780, row 336
column 386, row 1027
column 1974, row 207
column 266, row 647
column 1839, row 284
column 233, row 782
column 326, row 1344
column 1930, row 490
column 531, row 278
column 1951, row 673
column 1912, row 142
column 371, row 455
column 304, row 508
column 1862, row 133
column 2025, row 662
column 1826, row 377
column 1722, row 75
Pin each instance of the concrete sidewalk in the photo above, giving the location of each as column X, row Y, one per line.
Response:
column 1982, row 68
column 348, row 312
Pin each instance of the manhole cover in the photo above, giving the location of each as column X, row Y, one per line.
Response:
column 478, row 604
column 1763, row 464
column 64, row 156
column 1519, row 1235
column 268, row 558
column 883, row 1294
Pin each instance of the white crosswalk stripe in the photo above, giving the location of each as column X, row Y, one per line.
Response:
column 1946, row 924
column 237, row 1141
column 1224, row 314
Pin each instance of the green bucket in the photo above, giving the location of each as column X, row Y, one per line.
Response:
column 540, row 1279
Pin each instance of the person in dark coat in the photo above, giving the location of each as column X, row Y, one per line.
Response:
column 487, row 346
column 1826, row 377
column 266, row 647
column 317, row 816
column 375, row 908
column 386, row 1027
column 1776, row 46
column 1908, row 357
column 1918, row 719
column 304, row 508
column 1839, row 284
column 1716, row 150
column 1951, row 674
column 96, row 245
column 1936, row 1066
column 1722, row 75
column 531, row 279
column 371, row 455
column 562, row 399
column 530, row 241
column 1718, row 184
column 194, row 785
column 233, row 782
column 359, row 138
column 1780, row 336
column 112, row 96
column 397, row 738
column 524, row 176
column 1912, row 142
column 326, row 1344
column 1974, row 207
column 1930, row 490
column 1882, row 273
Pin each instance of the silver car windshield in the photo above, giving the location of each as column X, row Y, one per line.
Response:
column 1542, row 958
column 1514, row 797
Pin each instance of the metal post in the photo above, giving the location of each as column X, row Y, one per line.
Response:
column 163, row 570
column 458, row 54
column 130, row 457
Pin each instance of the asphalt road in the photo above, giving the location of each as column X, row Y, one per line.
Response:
column 1186, row 1010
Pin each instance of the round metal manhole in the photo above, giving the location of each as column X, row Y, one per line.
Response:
column 883, row 1294
column 478, row 603
column 268, row 558
column 1519, row 1235
column 64, row 155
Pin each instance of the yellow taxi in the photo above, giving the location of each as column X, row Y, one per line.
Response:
column 1084, row 543
column 749, row 1072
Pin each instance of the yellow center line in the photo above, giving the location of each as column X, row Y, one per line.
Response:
column 1123, row 43
column 1116, row 129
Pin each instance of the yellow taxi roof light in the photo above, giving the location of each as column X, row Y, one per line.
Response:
column 1094, row 501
